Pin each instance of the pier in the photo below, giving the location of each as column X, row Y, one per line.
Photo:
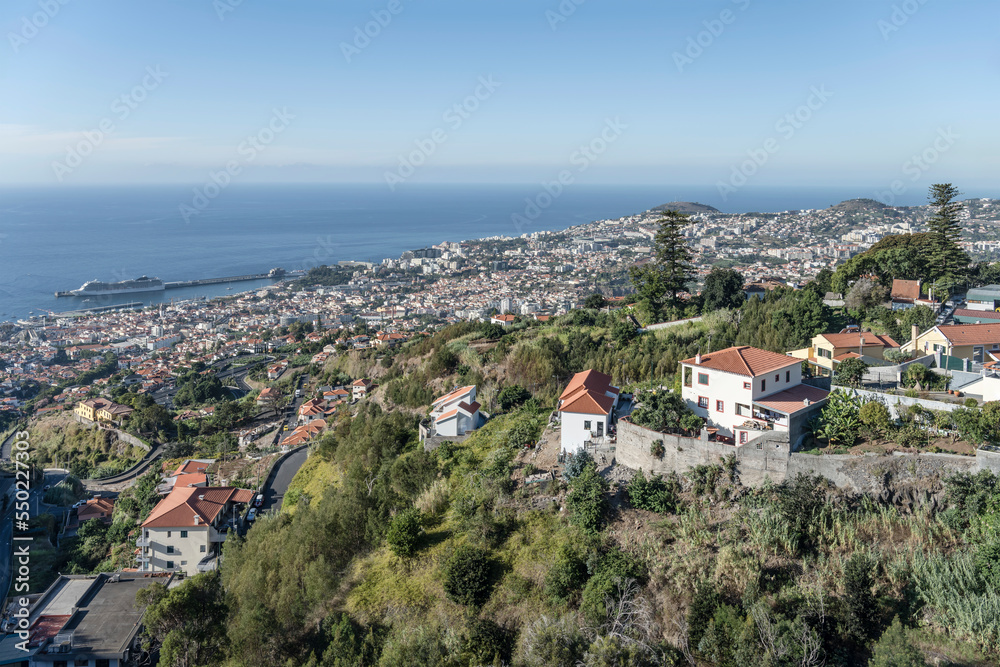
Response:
column 273, row 274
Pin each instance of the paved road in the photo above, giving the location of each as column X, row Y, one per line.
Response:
column 282, row 476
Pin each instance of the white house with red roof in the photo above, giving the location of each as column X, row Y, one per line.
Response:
column 741, row 391
column 503, row 320
column 185, row 529
column 361, row 387
column 457, row 412
column 586, row 409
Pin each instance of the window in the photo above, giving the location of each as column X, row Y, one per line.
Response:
column 743, row 437
column 170, row 548
column 703, row 402
column 746, row 385
column 170, row 564
column 59, row 663
column 720, row 406
column 760, row 445
column 102, row 662
column 687, row 376
column 586, row 425
column 81, row 662
column 788, row 376
column 202, row 548
column 168, row 533
column 777, row 378
column 184, row 533
column 763, row 385
column 703, row 378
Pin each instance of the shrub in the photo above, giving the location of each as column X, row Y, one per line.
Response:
column 567, row 574
column 875, row 417
column 971, row 403
column 893, row 649
column 404, row 531
column 577, row 463
column 657, row 449
column 587, row 500
column 512, row 396
column 487, row 643
column 701, row 611
column 656, row 494
column 467, row 576
column 551, row 643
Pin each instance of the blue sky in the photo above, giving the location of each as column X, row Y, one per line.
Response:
column 891, row 85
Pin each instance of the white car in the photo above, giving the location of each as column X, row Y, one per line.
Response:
column 259, row 500
column 79, row 503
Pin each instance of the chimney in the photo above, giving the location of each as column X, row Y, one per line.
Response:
column 697, row 359
column 196, row 519
column 805, row 402
column 914, row 332
column 201, row 497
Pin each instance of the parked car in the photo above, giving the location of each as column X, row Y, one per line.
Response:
column 252, row 514
column 259, row 500
column 79, row 503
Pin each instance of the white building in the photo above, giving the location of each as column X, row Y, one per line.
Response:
column 586, row 409
column 741, row 391
column 185, row 529
column 457, row 412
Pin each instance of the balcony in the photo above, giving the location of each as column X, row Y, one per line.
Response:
column 143, row 542
column 144, row 558
column 765, row 415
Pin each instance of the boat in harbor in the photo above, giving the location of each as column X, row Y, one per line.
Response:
column 99, row 288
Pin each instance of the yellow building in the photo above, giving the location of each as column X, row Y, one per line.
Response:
column 828, row 350
column 979, row 343
column 88, row 409
column 114, row 413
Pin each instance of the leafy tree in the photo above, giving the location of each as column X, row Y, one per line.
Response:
column 622, row 333
column 875, row 417
column 922, row 316
column 862, row 608
column 666, row 412
column 799, row 502
column 567, row 574
column 467, row 576
column 404, row 531
column 851, row 372
column 864, row 295
column 949, row 262
column 840, row 420
column 723, row 289
column 595, row 301
column 700, row 612
column 655, row 494
column 512, row 396
column 659, row 281
column 487, row 643
column 587, row 500
column 491, row 330
column 577, row 464
column 893, row 649
column 187, row 621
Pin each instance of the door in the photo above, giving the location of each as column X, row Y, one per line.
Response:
column 600, row 429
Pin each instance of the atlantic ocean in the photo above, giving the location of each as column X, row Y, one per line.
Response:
column 57, row 238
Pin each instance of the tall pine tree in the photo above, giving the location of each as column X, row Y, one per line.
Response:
column 949, row 263
column 659, row 281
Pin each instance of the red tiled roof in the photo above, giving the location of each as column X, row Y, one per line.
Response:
column 455, row 393
column 792, row 400
column 744, row 360
column 180, row 506
column 191, row 466
column 906, row 289
column 853, row 339
column 971, row 334
column 587, row 393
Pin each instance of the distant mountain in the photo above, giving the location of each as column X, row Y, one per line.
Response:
column 854, row 205
column 686, row 207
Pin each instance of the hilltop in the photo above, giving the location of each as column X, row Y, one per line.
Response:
column 686, row 207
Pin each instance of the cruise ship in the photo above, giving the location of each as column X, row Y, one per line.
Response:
column 98, row 288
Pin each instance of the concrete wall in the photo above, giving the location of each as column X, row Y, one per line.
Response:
column 895, row 373
column 754, row 464
column 898, row 478
column 894, row 401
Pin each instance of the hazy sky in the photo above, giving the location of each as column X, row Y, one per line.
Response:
column 819, row 93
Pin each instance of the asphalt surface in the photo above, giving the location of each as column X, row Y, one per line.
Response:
column 282, row 476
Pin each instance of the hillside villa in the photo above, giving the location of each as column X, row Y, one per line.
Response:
column 826, row 351
column 741, row 391
column 978, row 343
column 457, row 412
column 586, row 409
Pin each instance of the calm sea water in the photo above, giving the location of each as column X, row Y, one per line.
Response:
column 58, row 238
